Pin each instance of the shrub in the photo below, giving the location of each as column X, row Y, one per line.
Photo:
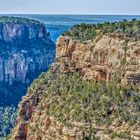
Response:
column 85, row 32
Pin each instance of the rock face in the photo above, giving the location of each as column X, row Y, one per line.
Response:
column 19, row 65
column 19, row 32
column 101, row 59
column 26, row 51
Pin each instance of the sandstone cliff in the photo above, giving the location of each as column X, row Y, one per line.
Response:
column 102, row 58
column 70, row 103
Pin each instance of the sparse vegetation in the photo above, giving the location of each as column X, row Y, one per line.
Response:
column 85, row 32
column 7, row 120
column 76, row 100
column 18, row 20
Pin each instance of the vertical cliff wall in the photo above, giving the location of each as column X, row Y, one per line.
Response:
column 26, row 50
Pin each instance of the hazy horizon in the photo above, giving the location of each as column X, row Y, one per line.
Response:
column 70, row 14
column 71, row 7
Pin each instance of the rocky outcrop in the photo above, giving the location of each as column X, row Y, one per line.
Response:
column 25, row 48
column 20, row 64
column 102, row 59
column 26, row 51
column 14, row 31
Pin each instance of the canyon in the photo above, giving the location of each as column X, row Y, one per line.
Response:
column 26, row 51
column 45, row 113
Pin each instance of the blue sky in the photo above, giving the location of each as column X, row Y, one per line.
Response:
column 126, row 7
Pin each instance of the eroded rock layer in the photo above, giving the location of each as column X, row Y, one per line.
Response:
column 101, row 58
column 26, row 50
column 104, row 58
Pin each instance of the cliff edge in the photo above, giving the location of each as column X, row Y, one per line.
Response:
column 26, row 51
column 21, row 30
column 90, row 92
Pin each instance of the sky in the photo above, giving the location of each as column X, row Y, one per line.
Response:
column 91, row 7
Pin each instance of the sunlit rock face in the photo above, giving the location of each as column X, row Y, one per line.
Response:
column 26, row 50
column 99, row 61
